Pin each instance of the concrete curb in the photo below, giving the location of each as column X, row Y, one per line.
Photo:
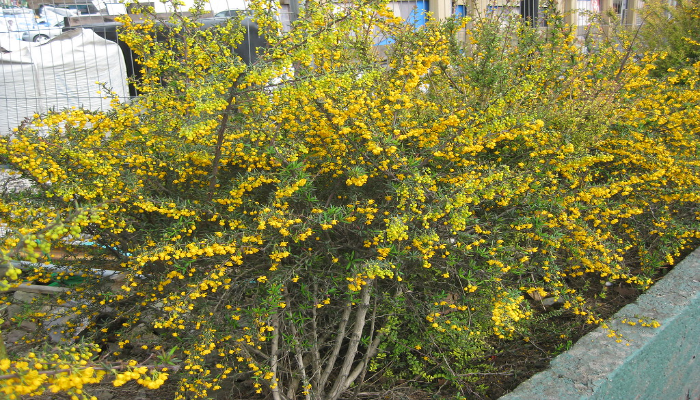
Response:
column 658, row 364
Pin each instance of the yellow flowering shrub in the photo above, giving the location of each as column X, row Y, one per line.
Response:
column 335, row 210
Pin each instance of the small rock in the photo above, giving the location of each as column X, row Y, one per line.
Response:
column 46, row 309
column 24, row 297
column 14, row 335
column 56, row 325
column 29, row 326
column 102, row 394
column 550, row 301
column 59, row 333
column 12, row 310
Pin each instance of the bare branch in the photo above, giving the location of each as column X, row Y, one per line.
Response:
column 300, row 361
column 342, row 381
column 275, row 387
column 361, row 368
column 336, row 348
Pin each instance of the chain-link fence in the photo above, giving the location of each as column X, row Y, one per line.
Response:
column 56, row 54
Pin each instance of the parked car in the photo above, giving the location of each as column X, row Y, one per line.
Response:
column 15, row 20
column 12, row 10
column 42, row 33
column 81, row 8
column 110, row 31
column 231, row 13
column 7, row 29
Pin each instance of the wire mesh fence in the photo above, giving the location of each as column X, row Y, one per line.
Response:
column 69, row 53
column 57, row 54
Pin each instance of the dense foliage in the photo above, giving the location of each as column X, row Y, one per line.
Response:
column 671, row 27
column 341, row 209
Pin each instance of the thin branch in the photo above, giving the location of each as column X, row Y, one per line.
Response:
column 315, row 352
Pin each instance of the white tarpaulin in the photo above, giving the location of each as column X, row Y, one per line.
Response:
column 64, row 72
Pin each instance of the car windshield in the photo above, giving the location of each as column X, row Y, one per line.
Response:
column 231, row 13
column 46, row 25
column 80, row 8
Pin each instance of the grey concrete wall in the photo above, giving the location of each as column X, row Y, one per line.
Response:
column 658, row 364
